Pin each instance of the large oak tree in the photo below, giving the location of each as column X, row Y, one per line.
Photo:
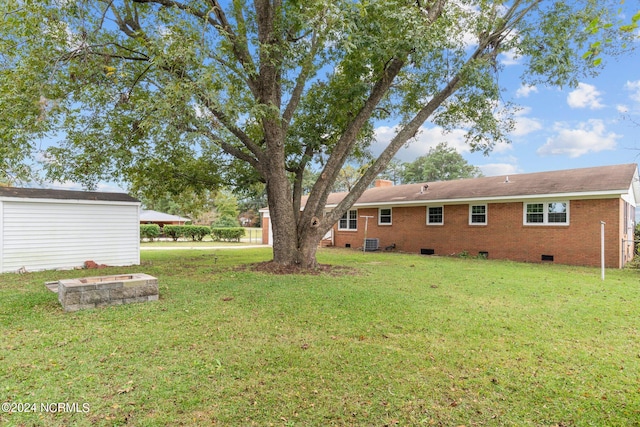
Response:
column 186, row 94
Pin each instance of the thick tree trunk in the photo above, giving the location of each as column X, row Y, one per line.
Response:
column 293, row 245
column 283, row 226
column 307, row 248
column 290, row 247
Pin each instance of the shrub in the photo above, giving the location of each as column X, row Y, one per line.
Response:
column 196, row 232
column 634, row 263
column 173, row 231
column 227, row 234
column 149, row 231
column 226, row 221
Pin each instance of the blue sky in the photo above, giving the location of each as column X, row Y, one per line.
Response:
column 556, row 128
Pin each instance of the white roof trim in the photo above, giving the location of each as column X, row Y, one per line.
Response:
column 67, row 201
column 501, row 199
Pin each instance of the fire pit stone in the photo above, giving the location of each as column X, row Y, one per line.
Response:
column 91, row 292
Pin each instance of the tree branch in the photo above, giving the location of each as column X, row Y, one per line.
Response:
column 302, row 79
column 238, row 42
column 220, row 23
column 492, row 41
column 131, row 28
column 343, row 147
column 128, row 25
column 228, row 148
column 387, row 154
column 141, row 56
column 321, row 188
column 138, row 78
column 254, row 148
column 234, row 151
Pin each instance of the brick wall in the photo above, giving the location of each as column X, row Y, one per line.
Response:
column 504, row 236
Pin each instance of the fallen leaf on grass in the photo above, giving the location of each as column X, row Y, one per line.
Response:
column 127, row 388
column 227, row 299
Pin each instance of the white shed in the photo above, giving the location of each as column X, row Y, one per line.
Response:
column 52, row 229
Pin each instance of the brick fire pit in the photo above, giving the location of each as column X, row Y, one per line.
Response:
column 91, row 292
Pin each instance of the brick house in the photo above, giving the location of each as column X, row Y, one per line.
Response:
column 546, row 216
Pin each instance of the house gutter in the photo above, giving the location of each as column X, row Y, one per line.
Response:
column 500, row 199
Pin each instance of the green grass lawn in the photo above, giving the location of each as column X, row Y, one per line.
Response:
column 399, row 340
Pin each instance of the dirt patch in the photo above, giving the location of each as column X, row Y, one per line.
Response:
column 271, row 267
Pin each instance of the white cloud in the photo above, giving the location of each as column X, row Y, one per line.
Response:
column 525, row 125
column 64, row 185
column 509, row 58
column 496, row 169
column 634, row 88
column 428, row 138
column 588, row 137
column 585, row 96
column 525, row 90
column 622, row 108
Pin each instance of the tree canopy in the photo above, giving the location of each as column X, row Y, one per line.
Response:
column 441, row 163
column 179, row 95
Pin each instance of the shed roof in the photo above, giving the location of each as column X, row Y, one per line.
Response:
column 39, row 193
column 594, row 181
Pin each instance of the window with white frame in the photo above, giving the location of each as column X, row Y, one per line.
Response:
column 349, row 220
column 384, row 216
column 546, row 213
column 477, row 214
column 435, row 215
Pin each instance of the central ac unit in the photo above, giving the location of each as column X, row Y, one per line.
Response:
column 371, row 244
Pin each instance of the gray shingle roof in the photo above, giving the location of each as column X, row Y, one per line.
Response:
column 39, row 193
column 602, row 180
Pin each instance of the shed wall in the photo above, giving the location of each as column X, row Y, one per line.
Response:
column 42, row 235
